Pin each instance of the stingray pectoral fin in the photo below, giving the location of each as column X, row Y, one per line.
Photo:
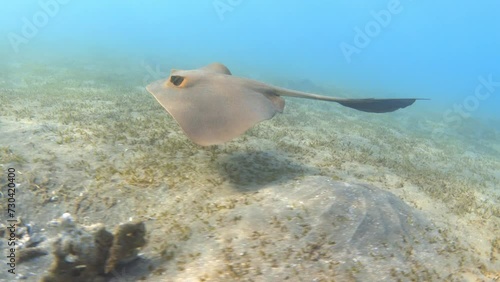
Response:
column 212, row 108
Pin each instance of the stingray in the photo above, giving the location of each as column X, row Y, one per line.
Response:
column 212, row 106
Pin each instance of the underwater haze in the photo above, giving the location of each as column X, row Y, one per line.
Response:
column 402, row 48
column 111, row 187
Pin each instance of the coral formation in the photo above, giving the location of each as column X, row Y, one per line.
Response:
column 87, row 253
column 128, row 238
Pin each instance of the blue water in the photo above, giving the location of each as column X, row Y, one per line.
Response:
column 392, row 48
column 265, row 200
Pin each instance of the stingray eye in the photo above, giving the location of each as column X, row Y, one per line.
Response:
column 176, row 80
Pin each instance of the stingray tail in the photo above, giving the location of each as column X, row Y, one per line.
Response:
column 371, row 105
column 377, row 105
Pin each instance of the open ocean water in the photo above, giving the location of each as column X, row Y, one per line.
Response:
column 100, row 183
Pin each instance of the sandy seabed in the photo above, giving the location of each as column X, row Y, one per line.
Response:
column 87, row 139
